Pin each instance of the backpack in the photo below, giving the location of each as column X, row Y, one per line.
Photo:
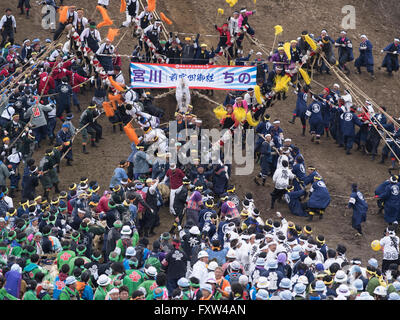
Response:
column 234, row 277
column 139, row 255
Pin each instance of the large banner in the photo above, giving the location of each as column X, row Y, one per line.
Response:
column 149, row 75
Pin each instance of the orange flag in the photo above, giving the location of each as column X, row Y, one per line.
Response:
column 112, row 33
column 131, row 133
column 164, row 18
column 63, row 14
column 123, row 6
column 108, row 109
column 151, row 5
column 116, row 85
column 106, row 19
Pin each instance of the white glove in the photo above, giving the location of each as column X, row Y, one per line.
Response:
column 394, row 52
column 381, row 51
column 304, row 59
column 63, row 221
column 271, row 53
column 251, row 51
column 279, row 215
column 5, row 146
column 12, row 172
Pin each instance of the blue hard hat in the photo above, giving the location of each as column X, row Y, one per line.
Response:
column 373, row 262
column 394, row 296
column 286, row 295
column 262, row 294
column 295, row 255
column 358, row 284
column 285, row 283
column 272, row 264
column 299, row 288
column 183, row 282
column 260, row 262
column 396, row 285
column 320, row 286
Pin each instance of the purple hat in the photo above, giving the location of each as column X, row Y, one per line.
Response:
column 196, row 196
column 282, row 257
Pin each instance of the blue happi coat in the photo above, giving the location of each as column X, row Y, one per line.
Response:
column 319, row 198
column 359, row 206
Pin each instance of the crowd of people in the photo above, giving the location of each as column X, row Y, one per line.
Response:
column 87, row 244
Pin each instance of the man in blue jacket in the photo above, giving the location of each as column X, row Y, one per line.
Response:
column 64, row 136
column 391, row 60
column 366, row 58
column 301, row 107
column 360, row 208
column 314, row 116
column 345, row 49
column 299, row 171
column 292, row 198
column 379, row 190
column 349, row 120
column 319, row 198
column 220, row 180
column 391, row 197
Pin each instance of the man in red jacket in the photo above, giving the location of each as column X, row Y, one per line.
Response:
column 175, row 176
column 46, row 83
column 61, row 69
column 75, row 80
column 225, row 40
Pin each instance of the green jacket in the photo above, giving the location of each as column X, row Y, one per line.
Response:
column 16, row 251
column 68, row 294
column 149, row 286
column 151, row 296
column 4, row 295
column 134, row 239
column 32, row 269
column 64, row 257
column 72, row 263
column 133, row 279
column 100, row 294
column 46, row 297
column 391, row 289
column 30, row 295
column 372, row 284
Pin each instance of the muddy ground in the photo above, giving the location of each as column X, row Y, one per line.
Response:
column 374, row 18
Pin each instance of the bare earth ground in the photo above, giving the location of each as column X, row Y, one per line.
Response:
column 375, row 18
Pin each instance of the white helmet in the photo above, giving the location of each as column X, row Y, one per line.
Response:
column 243, row 280
column 202, row 254
column 151, row 271
column 212, row 265
column 380, row 291
column 231, row 254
